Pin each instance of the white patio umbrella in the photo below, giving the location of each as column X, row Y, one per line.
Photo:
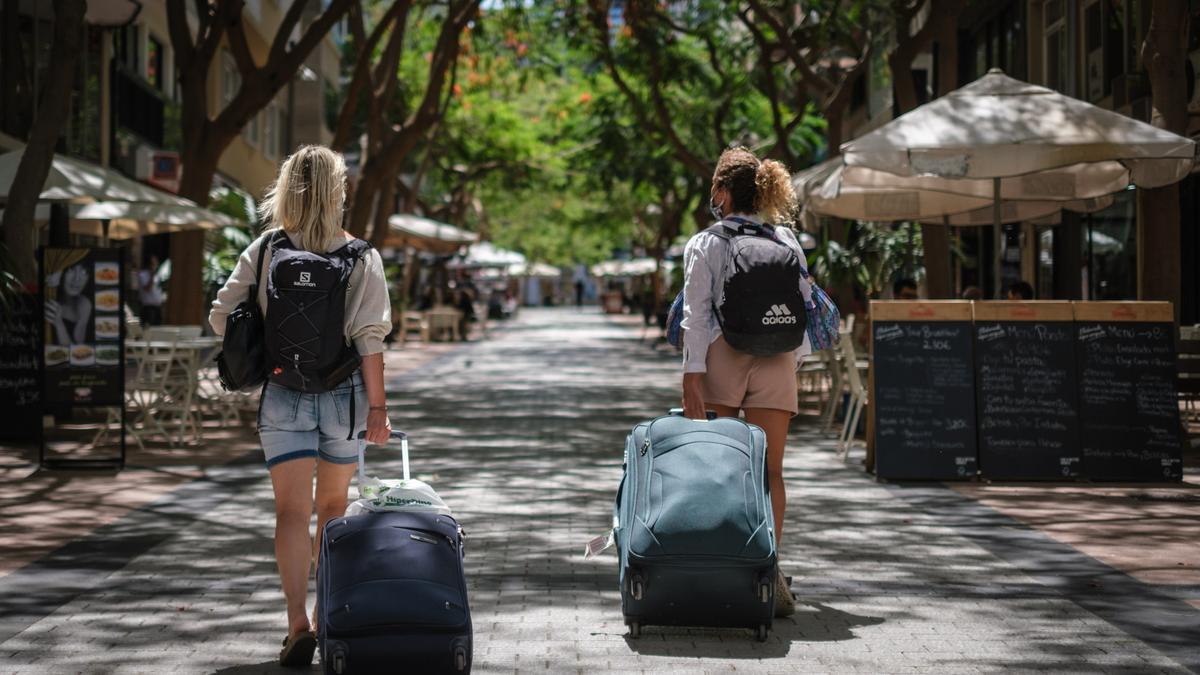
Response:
column 486, row 254
column 79, row 182
column 859, row 193
column 126, row 220
column 1030, row 142
column 406, row 229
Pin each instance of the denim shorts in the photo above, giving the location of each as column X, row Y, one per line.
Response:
column 293, row 424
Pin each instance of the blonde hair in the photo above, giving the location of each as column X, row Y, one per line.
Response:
column 755, row 187
column 308, row 196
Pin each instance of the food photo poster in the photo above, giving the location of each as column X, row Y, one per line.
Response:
column 82, row 329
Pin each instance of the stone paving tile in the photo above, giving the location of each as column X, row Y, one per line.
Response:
column 522, row 435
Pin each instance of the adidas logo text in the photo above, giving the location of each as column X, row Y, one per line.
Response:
column 778, row 314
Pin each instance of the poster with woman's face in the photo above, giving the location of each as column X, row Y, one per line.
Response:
column 82, row 334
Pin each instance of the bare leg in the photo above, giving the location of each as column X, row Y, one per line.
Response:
column 292, row 481
column 775, row 423
column 333, row 481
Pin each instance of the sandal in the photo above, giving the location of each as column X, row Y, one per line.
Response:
column 298, row 650
column 785, row 602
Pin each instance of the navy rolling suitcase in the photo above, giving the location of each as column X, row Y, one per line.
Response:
column 693, row 526
column 391, row 594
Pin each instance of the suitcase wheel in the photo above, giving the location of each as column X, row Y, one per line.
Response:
column 339, row 663
column 460, row 659
column 635, row 629
column 761, row 633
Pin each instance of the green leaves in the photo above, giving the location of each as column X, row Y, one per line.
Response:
column 876, row 255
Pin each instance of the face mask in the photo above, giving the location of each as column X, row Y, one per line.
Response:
column 715, row 210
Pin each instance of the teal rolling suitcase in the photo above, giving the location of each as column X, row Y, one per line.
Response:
column 693, row 526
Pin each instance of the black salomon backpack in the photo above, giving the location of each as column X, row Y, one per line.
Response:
column 761, row 309
column 306, row 308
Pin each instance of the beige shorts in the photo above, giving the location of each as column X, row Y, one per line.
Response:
column 741, row 380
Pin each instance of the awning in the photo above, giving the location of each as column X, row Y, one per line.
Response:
column 629, row 268
column 127, row 220
column 408, row 230
column 79, row 182
column 485, row 254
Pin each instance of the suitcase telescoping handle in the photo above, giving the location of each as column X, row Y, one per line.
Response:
column 678, row 412
column 362, row 445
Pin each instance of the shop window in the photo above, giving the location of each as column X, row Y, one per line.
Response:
column 231, row 79
column 1110, row 249
column 270, row 132
column 251, row 132
column 125, row 48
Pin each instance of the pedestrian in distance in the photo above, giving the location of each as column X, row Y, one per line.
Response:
column 323, row 386
column 905, row 289
column 150, row 293
column 974, row 293
column 718, row 377
column 1021, row 290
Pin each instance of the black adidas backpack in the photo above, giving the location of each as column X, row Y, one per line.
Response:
column 306, row 308
column 761, row 310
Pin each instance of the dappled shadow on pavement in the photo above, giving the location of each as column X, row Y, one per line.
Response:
column 523, row 436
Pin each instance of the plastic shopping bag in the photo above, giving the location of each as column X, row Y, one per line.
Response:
column 405, row 494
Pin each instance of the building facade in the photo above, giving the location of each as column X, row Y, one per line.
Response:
column 125, row 109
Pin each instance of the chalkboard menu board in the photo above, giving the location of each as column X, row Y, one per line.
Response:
column 84, row 326
column 20, row 395
column 1026, row 390
column 923, row 390
column 1128, row 407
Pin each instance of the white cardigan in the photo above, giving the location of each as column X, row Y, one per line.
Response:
column 368, row 308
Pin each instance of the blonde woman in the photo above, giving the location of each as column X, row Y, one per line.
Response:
column 317, row 399
column 718, row 377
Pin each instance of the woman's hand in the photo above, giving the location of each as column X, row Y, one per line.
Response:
column 53, row 312
column 693, row 396
column 379, row 427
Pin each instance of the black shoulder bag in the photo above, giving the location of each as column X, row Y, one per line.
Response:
column 242, row 363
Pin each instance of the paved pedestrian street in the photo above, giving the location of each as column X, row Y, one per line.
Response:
column 522, row 434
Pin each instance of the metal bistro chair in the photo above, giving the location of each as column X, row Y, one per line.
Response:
column 443, row 323
column 163, row 390
column 1188, row 380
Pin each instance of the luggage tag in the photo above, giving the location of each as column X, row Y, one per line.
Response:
column 598, row 545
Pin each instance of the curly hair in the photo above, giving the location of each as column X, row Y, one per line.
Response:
column 754, row 187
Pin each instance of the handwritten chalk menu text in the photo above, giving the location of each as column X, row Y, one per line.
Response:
column 1026, row 391
column 1128, row 408
column 20, row 393
column 924, row 390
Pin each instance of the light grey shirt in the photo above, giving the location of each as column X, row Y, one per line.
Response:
column 704, row 261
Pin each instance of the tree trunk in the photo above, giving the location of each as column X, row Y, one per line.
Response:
column 1164, row 54
column 383, row 211
column 186, row 293
column 19, row 228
